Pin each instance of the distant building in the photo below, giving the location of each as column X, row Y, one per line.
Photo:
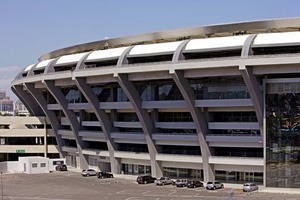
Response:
column 6, row 106
column 26, row 136
column 2, row 94
column 20, row 109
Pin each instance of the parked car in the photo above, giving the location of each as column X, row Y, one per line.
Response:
column 163, row 181
column 145, row 179
column 181, row 182
column 214, row 185
column 104, row 175
column 249, row 187
column 194, row 183
column 88, row 172
column 61, row 167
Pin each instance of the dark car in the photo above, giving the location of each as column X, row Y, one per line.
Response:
column 61, row 167
column 145, row 179
column 104, row 175
column 194, row 183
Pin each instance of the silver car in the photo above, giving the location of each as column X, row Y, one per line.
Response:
column 89, row 172
column 249, row 187
column 214, row 185
column 181, row 182
column 163, row 181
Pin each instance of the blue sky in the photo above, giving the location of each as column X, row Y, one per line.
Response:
column 33, row 27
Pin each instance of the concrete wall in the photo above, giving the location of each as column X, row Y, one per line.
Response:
column 34, row 165
column 9, row 167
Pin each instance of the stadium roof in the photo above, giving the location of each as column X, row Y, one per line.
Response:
column 219, row 30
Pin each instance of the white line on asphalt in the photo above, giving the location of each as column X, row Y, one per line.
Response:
column 173, row 192
column 146, row 192
column 121, row 191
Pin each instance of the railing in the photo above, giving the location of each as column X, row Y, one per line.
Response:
column 240, row 154
column 182, row 133
column 180, row 61
column 234, row 134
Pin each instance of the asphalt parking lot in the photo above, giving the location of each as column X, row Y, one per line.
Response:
column 72, row 186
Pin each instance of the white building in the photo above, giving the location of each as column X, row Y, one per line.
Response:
column 213, row 102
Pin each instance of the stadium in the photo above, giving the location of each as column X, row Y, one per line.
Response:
column 218, row 102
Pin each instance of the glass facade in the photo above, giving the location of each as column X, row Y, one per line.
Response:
column 183, row 173
column 282, row 106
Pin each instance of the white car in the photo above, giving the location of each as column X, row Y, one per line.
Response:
column 89, row 172
column 249, row 187
column 163, row 181
column 214, row 185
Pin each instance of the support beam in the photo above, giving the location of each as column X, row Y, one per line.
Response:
column 255, row 91
column 147, row 124
column 199, row 120
column 70, row 115
column 246, row 50
column 178, row 54
column 104, row 120
column 28, row 101
column 123, row 57
column 40, row 99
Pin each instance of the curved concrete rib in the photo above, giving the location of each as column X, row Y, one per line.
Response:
column 255, row 93
column 123, row 57
column 246, row 50
column 103, row 119
column 178, row 55
column 73, row 121
column 33, row 108
column 144, row 118
column 199, row 120
column 252, row 84
column 40, row 99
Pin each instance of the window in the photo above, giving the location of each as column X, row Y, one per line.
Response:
column 34, row 165
column 43, row 164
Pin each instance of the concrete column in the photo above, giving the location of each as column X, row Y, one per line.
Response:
column 255, row 91
column 144, row 118
column 199, row 120
column 28, row 100
column 104, row 120
column 55, row 124
column 70, row 115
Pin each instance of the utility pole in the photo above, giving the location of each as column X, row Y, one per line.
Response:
column 1, row 186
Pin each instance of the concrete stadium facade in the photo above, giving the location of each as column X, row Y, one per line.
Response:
column 212, row 102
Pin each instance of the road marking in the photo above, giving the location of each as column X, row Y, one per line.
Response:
column 122, row 191
column 146, row 192
column 173, row 192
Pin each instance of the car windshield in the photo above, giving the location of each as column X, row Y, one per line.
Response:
column 209, row 182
